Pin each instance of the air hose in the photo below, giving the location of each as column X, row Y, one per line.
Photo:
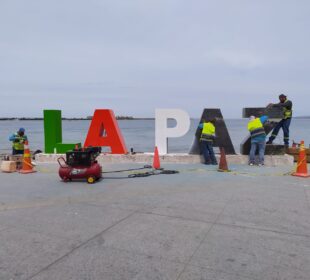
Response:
column 126, row 170
column 142, row 174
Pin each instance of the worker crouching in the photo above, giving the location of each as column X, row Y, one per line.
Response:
column 19, row 138
column 258, row 139
column 206, row 141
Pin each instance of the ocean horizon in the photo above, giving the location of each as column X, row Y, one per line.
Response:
column 139, row 134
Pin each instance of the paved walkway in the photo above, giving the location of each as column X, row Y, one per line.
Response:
column 253, row 223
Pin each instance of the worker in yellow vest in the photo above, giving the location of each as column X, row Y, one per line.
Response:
column 285, row 123
column 206, row 141
column 258, row 139
column 18, row 140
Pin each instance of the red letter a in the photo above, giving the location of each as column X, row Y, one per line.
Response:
column 104, row 132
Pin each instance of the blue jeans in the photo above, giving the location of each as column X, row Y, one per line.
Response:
column 261, row 151
column 208, row 153
column 285, row 125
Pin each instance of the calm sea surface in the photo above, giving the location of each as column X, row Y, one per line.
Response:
column 139, row 134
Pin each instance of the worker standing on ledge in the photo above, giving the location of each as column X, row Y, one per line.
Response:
column 287, row 106
column 258, row 139
column 206, row 140
column 18, row 140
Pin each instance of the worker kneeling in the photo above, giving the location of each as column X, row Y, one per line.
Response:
column 258, row 139
column 19, row 138
column 206, row 141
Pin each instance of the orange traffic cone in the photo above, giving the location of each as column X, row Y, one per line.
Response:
column 27, row 166
column 223, row 167
column 302, row 170
column 156, row 161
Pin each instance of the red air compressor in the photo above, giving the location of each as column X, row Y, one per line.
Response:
column 81, row 164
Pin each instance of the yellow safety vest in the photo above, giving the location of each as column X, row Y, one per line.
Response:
column 208, row 132
column 256, row 127
column 288, row 113
column 18, row 143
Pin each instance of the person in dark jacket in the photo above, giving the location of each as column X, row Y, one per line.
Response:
column 285, row 123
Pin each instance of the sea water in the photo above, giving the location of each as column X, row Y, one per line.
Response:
column 140, row 134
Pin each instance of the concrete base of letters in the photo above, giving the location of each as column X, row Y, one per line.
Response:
column 147, row 158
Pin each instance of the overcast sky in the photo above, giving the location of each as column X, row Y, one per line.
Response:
column 137, row 55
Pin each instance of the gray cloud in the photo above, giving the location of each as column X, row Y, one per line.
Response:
column 133, row 56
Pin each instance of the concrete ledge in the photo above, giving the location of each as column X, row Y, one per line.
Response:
column 147, row 158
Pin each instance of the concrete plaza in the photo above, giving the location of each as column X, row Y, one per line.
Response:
column 252, row 223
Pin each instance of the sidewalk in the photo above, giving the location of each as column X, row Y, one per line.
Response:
column 252, row 223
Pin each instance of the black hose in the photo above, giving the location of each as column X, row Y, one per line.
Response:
column 145, row 174
column 168, row 172
column 115, row 178
column 125, row 170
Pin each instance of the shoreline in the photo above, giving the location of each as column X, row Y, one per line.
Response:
column 73, row 119
column 123, row 119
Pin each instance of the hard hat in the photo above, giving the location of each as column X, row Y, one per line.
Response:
column 21, row 129
column 252, row 118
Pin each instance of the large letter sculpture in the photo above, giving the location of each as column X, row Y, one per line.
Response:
column 53, row 133
column 163, row 132
column 222, row 135
column 104, row 132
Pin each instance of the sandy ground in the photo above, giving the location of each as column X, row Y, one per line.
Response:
column 252, row 223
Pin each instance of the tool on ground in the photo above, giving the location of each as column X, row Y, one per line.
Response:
column 27, row 165
column 81, row 164
column 302, row 169
column 223, row 167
